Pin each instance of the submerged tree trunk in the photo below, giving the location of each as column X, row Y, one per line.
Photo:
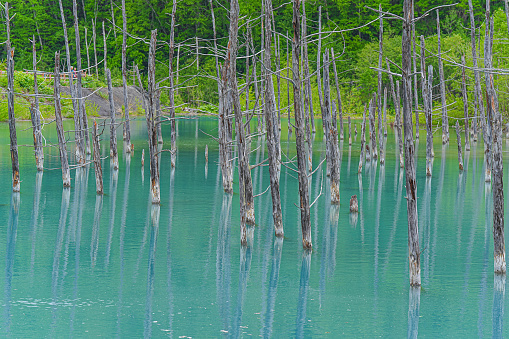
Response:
column 460, row 156
column 445, row 119
column 428, row 107
column 127, row 129
column 97, row 162
column 271, row 125
column 10, row 106
column 151, row 119
column 363, row 137
column 171, row 92
column 349, row 131
column 411, row 183
column 380, row 128
column 305, row 217
column 66, row 176
column 113, row 129
column 35, row 115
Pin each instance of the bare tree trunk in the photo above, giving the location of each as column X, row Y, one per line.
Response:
column 332, row 136
column 127, row 129
column 66, row 176
column 87, row 48
column 105, row 50
column 97, row 161
column 414, row 58
column 363, row 137
column 158, row 116
column 35, row 115
column 445, row 119
column 411, row 183
column 477, row 78
column 171, row 92
column 338, row 97
column 305, row 217
column 94, row 40
column 319, row 55
column 197, row 54
column 372, row 129
column 287, row 84
column 308, row 99
column 379, row 93
column 395, row 99
column 487, row 65
column 78, row 132
column 465, row 103
column 113, row 127
column 10, row 105
column 380, row 129
column 79, row 92
column 278, row 78
column 349, row 131
column 151, row 128
column 428, row 107
column 245, row 183
column 271, row 126
column 460, row 156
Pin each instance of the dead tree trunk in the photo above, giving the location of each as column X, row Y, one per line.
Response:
column 338, row 97
column 445, row 119
column 477, row 78
column 151, row 127
column 380, row 128
column 332, row 136
column 372, row 129
column 245, row 183
column 488, row 78
column 271, row 125
column 363, row 138
column 127, row 129
column 308, row 99
column 319, row 55
column 87, row 48
column 171, row 92
column 460, row 156
column 379, row 93
column 428, row 107
column 10, row 105
column 465, row 103
column 78, row 132
column 97, row 161
column 79, row 92
column 66, row 176
column 305, row 217
column 414, row 58
column 411, row 183
column 287, row 83
column 105, row 50
column 113, row 129
column 349, row 131
column 35, row 115
column 395, row 99
column 94, row 41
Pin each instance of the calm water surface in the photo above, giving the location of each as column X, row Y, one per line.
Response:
column 78, row 264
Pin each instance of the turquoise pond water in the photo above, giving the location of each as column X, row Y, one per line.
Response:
column 75, row 264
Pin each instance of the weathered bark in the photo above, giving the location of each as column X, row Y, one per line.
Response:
column 10, row 106
column 338, row 97
column 271, row 125
column 477, row 78
column 105, row 50
column 97, row 161
column 332, row 136
column 245, row 182
column 416, row 96
column 305, row 217
column 395, row 99
column 465, row 102
column 278, row 79
column 427, row 99
column 288, row 84
column 171, row 92
column 363, row 138
column 379, row 93
column 79, row 92
column 78, row 132
column 445, row 119
column 308, row 99
column 150, row 116
column 158, row 116
column 380, row 128
column 411, row 183
column 35, row 115
column 94, row 41
column 349, row 131
column 489, row 83
column 87, row 48
column 460, row 156
column 319, row 55
column 372, row 129
column 66, row 176
column 113, row 127
column 127, row 129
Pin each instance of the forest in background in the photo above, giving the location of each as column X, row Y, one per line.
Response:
column 358, row 48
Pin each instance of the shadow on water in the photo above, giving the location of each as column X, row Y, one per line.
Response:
column 155, row 212
column 223, row 262
column 305, row 271
column 12, row 229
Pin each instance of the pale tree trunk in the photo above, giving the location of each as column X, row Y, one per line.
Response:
column 105, row 50
column 127, row 129
column 271, row 125
column 332, row 136
column 363, row 138
column 319, row 55
column 151, row 119
column 380, row 128
column 10, row 106
column 87, row 48
column 35, row 115
column 487, row 65
column 460, row 156
column 79, row 92
column 338, row 97
column 411, row 183
column 428, row 107
column 414, row 58
column 395, row 99
column 94, row 41
column 465, row 102
column 372, row 129
column 477, row 78
column 349, row 131
column 445, row 119
column 66, row 176
column 97, row 161
column 288, row 84
column 78, row 132
column 305, row 217
column 113, row 129
column 308, row 99
column 171, row 92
